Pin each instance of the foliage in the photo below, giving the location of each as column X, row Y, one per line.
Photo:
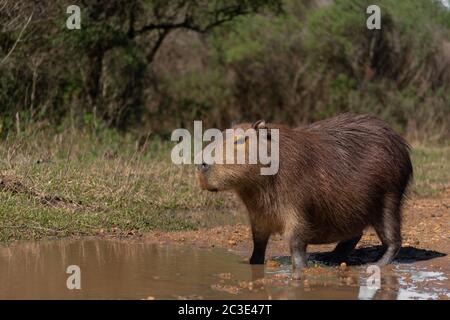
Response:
column 150, row 65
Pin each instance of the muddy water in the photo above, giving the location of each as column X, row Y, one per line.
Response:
column 129, row 270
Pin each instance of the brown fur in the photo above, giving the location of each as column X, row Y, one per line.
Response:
column 336, row 178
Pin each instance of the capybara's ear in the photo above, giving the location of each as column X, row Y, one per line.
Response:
column 260, row 124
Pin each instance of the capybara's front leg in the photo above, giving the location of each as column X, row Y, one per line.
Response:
column 260, row 240
column 298, row 256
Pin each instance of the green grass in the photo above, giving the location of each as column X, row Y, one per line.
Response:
column 431, row 170
column 118, row 190
column 115, row 189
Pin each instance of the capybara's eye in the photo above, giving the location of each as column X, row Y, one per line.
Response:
column 203, row 167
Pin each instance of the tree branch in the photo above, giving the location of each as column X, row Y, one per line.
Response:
column 161, row 36
column 230, row 13
column 18, row 39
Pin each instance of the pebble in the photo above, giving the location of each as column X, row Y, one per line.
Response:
column 272, row 264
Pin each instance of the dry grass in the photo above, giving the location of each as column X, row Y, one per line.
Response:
column 73, row 183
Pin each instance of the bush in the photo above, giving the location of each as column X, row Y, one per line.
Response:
column 313, row 62
column 309, row 62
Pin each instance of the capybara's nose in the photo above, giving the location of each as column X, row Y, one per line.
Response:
column 203, row 167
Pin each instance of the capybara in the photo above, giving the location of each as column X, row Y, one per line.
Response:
column 336, row 177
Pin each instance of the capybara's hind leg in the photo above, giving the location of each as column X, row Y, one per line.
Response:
column 260, row 239
column 344, row 248
column 388, row 229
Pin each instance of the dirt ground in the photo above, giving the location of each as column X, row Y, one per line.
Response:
column 425, row 233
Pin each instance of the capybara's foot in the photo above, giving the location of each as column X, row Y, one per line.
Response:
column 296, row 274
column 389, row 255
column 256, row 260
column 259, row 246
column 298, row 257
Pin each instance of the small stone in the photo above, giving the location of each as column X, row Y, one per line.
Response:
column 272, row 264
column 343, row 266
column 225, row 275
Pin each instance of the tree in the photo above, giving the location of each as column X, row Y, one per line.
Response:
column 140, row 28
column 45, row 64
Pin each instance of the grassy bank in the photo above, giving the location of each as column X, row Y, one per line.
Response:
column 79, row 183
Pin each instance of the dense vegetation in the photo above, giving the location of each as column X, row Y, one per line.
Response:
column 153, row 66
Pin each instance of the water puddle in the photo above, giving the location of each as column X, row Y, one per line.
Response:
column 112, row 269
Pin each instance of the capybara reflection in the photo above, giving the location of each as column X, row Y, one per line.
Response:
column 336, row 177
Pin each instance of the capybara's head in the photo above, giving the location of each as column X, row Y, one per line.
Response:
column 240, row 164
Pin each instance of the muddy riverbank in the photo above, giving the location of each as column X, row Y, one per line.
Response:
column 426, row 246
column 426, row 232
column 212, row 264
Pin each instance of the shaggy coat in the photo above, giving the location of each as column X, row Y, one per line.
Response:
column 336, row 177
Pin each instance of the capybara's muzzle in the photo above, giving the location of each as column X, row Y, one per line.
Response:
column 202, row 170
